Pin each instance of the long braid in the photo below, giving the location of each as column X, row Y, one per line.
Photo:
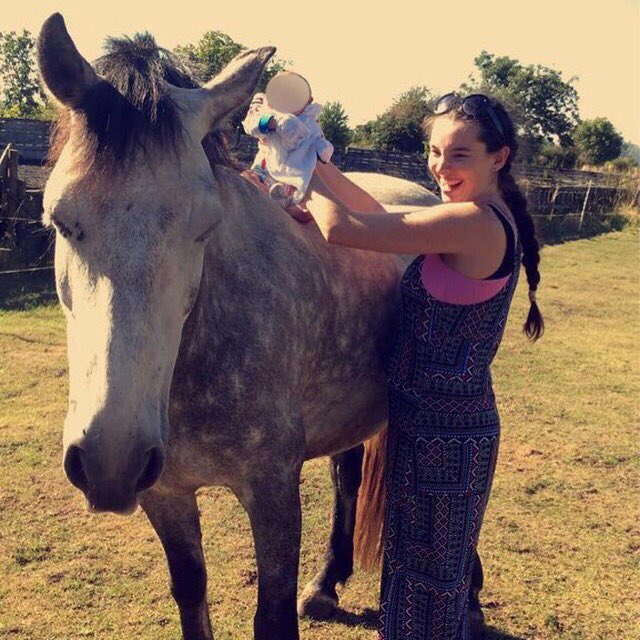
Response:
column 517, row 203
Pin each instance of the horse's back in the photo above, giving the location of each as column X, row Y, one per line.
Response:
column 396, row 195
column 390, row 190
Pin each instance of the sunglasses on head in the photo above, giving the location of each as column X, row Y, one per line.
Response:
column 476, row 106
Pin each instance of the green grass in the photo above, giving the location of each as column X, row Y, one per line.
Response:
column 560, row 541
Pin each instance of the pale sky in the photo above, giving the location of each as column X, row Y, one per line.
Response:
column 365, row 56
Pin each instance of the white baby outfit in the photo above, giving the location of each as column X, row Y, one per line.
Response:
column 289, row 153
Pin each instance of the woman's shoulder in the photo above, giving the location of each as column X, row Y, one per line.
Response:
column 479, row 207
column 495, row 211
column 475, row 214
column 494, row 206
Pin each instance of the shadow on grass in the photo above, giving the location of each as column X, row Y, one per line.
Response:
column 367, row 619
column 21, row 292
column 560, row 229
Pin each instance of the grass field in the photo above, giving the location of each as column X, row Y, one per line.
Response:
column 560, row 543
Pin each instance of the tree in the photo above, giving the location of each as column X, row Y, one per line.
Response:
column 213, row 52
column 362, row 135
column 623, row 163
column 597, row 141
column 22, row 96
column 543, row 105
column 333, row 121
column 631, row 150
column 556, row 157
column 210, row 54
column 400, row 128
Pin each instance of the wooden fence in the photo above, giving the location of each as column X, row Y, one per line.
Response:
column 549, row 192
column 410, row 166
column 9, row 183
column 554, row 196
column 29, row 137
column 24, row 244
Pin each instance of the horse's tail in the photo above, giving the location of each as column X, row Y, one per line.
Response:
column 368, row 536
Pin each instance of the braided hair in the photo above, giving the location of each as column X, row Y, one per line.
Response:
column 513, row 196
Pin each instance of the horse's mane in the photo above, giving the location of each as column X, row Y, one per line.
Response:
column 131, row 110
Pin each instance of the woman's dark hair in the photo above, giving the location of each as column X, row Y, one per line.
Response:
column 517, row 203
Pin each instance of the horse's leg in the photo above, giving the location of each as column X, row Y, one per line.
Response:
column 319, row 599
column 273, row 505
column 177, row 523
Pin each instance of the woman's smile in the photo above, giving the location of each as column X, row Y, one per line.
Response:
column 449, row 185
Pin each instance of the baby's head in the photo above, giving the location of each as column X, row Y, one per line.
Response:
column 288, row 92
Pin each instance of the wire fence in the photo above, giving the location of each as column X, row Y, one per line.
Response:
column 25, row 245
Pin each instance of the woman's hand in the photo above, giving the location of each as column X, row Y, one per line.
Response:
column 299, row 214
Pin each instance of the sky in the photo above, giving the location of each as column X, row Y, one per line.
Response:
column 366, row 56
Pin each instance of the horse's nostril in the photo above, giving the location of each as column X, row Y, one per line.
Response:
column 74, row 468
column 152, row 470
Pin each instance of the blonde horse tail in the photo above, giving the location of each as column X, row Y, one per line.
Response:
column 368, row 536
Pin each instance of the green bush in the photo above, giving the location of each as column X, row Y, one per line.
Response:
column 333, row 121
column 597, row 141
column 556, row 157
column 399, row 128
column 624, row 163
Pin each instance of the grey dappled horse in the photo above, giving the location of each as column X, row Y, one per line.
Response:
column 212, row 340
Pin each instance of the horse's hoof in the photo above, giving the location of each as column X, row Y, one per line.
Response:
column 317, row 605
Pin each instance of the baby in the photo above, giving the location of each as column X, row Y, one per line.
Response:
column 290, row 139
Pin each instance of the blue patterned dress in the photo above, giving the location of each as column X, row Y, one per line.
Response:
column 444, row 430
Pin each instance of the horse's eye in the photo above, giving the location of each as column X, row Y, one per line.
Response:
column 67, row 230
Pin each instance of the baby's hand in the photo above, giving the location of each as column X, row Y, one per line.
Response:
column 324, row 149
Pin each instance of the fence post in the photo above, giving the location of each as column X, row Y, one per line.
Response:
column 553, row 200
column 12, row 175
column 4, row 161
column 584, row 204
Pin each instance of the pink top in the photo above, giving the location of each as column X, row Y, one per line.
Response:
column 447, row 285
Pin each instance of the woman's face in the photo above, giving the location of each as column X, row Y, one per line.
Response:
column 460, row 163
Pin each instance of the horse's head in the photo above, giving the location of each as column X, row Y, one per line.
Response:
column 133, row 199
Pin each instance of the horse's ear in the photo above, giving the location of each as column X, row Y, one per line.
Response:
column 234, row 85
column 66, row 74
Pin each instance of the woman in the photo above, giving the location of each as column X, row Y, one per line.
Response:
column 443, row 424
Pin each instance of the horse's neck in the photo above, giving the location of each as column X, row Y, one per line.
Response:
column 245, row 259
column 249, row 219
column 268, row 281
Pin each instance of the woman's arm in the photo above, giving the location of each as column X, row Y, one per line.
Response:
column 456, row 228
column 347, row 191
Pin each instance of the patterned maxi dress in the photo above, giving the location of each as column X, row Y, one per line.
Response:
column 443, row 443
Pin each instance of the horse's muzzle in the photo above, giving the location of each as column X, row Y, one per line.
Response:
column 117, row 491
